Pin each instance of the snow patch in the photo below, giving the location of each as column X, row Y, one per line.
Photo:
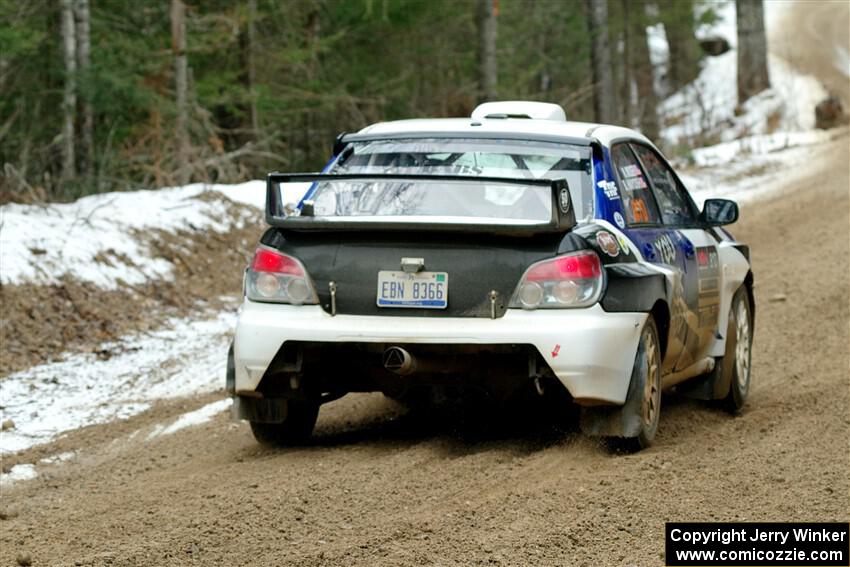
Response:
column 756, row 167
column 193, row 418
column 58, row 458
column 95, row 239
column 708, row 107
column 18, row 473
column 750, row 146
column 185, row 358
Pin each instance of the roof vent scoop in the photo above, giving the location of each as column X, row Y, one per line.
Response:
column 519, row 109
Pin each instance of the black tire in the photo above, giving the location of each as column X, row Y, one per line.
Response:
column 294, row 430
column 643, row 402
column 736, row 363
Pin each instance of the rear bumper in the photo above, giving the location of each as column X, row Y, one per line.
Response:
column 590, row 350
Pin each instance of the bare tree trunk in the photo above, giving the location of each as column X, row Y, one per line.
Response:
column 4, row 69
column 69, row 102
column 647, row 99
column 540, row 16
column 752, row 49
column 680, row 28
column 604, row 91
column 626, row 67
column 81, row 11
column 252, row 70
column 314, row 30
column 181, row 85
column 487, row 12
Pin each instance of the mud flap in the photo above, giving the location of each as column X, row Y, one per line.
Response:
column 701, row 388
column 260, row 410
column 230, row 375
column 617, row 421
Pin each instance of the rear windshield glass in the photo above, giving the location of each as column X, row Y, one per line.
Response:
column 472, row 157
column 422, row 200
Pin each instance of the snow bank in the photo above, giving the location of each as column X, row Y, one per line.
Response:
column 756, row 167
column 96, row 239
column 764, row 142
column 186, row 358
column 708, row 107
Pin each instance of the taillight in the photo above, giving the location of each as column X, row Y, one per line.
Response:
column 278, row 278
column 571, row 280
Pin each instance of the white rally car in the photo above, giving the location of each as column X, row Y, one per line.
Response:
column 508, row 251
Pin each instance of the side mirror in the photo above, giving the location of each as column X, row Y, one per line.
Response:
column 718, row 212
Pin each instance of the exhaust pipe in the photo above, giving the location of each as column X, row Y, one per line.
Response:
column 399, row 361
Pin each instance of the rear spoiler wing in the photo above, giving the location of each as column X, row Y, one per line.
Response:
column 562, row 219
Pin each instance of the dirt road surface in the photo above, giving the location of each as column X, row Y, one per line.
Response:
column 381, row 487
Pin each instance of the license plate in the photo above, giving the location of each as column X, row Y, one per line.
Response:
column 422, row 290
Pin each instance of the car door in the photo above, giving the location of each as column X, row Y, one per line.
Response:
column 659, row 244
column 697, row 249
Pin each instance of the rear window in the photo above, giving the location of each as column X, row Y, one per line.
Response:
column 448, row 156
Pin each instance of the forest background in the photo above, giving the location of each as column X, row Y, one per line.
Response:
column 105, row 95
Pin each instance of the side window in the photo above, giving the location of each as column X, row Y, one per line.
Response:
column 638, row 203
column 669, row 194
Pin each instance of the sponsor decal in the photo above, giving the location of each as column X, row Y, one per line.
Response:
column 634, row 183
column 564, row 200
column 618, row 218
column 608, row 243
column 624, row 245
column 664, row 246
column 609, row 188
column 639, row 210
column 708, row 263
column 633, row 178
column 630, row 170
column 556, row 350
column 707, row 258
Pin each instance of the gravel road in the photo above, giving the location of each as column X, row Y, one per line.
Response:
column 380, row 487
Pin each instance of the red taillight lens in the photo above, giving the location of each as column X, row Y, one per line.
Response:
column 278, row 278
column 571, row 280
column 274, row 262
column 583, row 265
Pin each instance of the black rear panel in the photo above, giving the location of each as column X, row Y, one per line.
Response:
column 475, row 263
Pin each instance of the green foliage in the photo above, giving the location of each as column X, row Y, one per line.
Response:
column 320, row 67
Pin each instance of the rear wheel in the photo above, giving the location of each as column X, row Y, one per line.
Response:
column 633, row 425
column 296, row 427
column 644, row 398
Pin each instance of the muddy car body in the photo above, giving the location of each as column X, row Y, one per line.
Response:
column 510, row 251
